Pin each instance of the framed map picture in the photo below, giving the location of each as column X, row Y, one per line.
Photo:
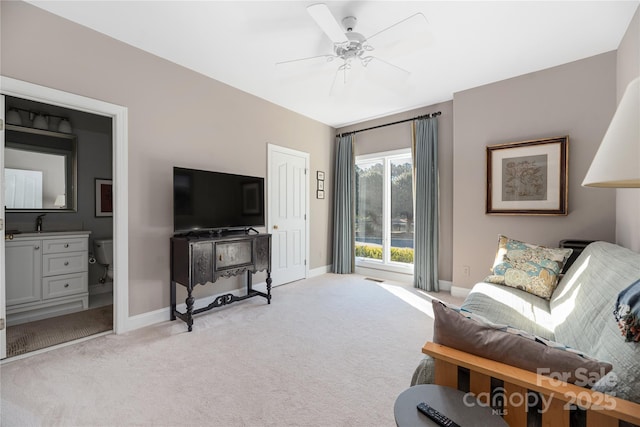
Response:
column 528, row 177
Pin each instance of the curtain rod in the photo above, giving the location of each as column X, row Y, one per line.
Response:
column 424, row 116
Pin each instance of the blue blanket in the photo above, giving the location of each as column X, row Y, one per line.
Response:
column 627, row 312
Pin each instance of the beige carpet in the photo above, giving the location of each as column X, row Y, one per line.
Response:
column 44, row 333
column 334, row 350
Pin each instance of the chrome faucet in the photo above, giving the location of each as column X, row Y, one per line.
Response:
column 39, row 223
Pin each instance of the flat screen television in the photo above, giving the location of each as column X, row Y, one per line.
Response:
column 216, row 201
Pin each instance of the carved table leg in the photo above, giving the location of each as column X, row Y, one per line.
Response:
column 268, row 286
column 172, row 291
column 190, row 300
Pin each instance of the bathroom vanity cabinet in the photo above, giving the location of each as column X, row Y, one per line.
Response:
column 46, row 275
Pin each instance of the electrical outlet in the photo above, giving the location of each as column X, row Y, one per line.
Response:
column 466, row 270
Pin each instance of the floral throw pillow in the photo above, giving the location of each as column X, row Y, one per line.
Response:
column 528, row 267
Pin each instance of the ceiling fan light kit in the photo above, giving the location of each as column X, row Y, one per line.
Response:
column 348, row 44
column 355, row 45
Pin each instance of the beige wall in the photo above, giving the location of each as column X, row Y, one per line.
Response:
column 399, row 136
column 179, row 117
column 575, row 99
column 628, row 199
column 176, row 117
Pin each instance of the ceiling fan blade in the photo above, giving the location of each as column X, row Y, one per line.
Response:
column 372, row 59
column 310, row 69
column 384, row 74
column 325, row 20
column 413, row 30
column 327, row 58
column 339, row 80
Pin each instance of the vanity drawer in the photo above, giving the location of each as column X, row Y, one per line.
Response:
column 68, row 284
column 64, row 263
column 51, row 246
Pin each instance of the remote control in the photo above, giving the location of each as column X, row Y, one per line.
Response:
column 436, row 416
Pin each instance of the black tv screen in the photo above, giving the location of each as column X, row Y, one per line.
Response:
column 204, row 200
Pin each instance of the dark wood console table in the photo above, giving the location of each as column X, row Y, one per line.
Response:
column 200, row 260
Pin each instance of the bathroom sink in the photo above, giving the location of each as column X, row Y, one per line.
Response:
column 46, row 233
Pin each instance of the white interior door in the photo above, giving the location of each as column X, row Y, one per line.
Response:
column 3, row 309
column 287, row 209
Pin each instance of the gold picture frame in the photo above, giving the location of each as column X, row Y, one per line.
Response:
column 528, row 177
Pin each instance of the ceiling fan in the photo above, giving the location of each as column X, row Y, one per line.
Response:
column 351, row 47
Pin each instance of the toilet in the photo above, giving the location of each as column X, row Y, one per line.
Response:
column 104, row 256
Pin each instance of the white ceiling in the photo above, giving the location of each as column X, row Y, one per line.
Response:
column 471, row 44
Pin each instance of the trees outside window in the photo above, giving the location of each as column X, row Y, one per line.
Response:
column 384, row 209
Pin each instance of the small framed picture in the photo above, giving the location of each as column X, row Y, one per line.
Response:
column 320, row 194
column 320, row 175
column 320, row 185
column 104, row 197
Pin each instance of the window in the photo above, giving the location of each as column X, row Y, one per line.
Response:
column 384, row 210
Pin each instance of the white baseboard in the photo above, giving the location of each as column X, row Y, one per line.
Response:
column 384, row 274
column 320, row 271
column 147, row 319
column 163, row 314
column 457, row 291
column 445, row 285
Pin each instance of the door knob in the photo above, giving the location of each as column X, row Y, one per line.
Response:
column 275, row 227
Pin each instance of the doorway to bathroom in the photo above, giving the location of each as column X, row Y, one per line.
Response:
column 47, row 305
column 65, row 293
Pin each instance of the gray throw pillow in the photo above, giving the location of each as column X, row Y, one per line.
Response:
column 476, row 335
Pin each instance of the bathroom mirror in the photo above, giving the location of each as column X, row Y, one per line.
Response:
column 39, row 170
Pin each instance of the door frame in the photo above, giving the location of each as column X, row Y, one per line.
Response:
column 3, row 306
column 273, row 148
column 119, row 116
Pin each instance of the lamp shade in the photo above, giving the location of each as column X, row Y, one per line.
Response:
column 617, row 161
